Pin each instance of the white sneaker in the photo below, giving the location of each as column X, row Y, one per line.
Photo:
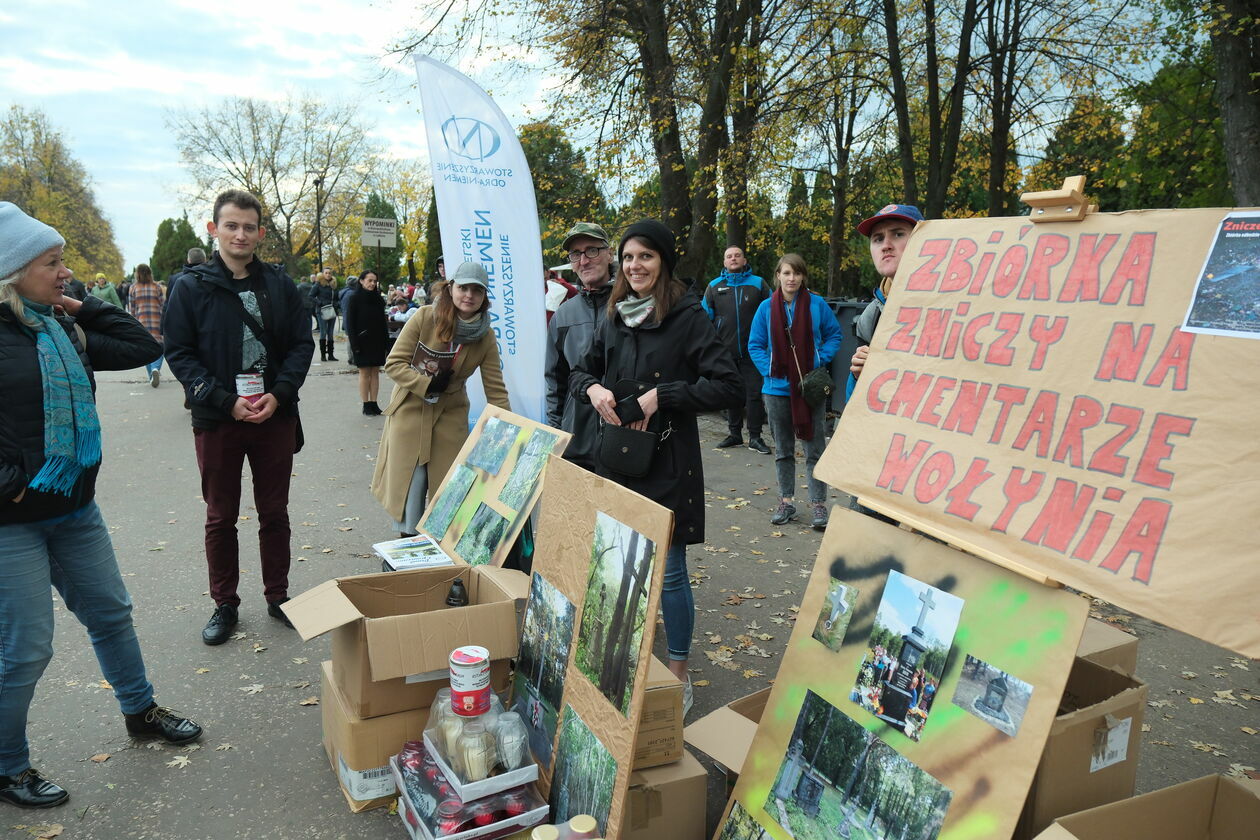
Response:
column 688, row 697
column 155, row 377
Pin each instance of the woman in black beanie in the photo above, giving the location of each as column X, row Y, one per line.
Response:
column 654, row 364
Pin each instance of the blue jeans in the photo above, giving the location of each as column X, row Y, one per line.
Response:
column 74, row 554
column 326, row 328
column 678, row 603
column 154, row 365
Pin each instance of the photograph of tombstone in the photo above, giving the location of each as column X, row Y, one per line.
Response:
column 740, row 825
column 442, row 510
column 482, row 536
column 907, row 653
column 529, row 465
column 585, row 773
column 541, row 664
column 837, row 609
column 615, row 609
column 492, row 447
column 992, row 695
column 839, row 780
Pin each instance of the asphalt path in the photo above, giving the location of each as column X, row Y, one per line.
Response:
column 260, row 770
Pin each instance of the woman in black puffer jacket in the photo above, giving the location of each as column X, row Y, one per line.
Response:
column 51, row 531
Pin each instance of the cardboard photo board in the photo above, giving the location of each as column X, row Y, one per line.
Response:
column 601, row 553
column 841, row 749
column 1032, row 397
column 483, row 502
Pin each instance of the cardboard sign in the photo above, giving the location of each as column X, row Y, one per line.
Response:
column 484, row 500
column 1031, row 396
column 582, row 668
column 914, row 698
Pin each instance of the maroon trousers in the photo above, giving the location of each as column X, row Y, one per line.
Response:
column 221, row 453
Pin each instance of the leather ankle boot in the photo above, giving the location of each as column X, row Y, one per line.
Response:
column 30, row 790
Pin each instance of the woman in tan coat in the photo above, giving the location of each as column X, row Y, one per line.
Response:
column 426, row 422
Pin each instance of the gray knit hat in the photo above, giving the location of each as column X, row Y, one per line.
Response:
column 22, row 239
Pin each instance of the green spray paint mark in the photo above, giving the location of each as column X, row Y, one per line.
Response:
column 974, row 825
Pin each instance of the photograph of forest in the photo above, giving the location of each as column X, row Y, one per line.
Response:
column 615, row 609
column 541, row 664
column 740, row 825
column 496, row 439
column 585, row 774
column 833, row 618
column 907, row 653
column 529, row 465
column 442, row 510
column 839, row 780
column 482, row 536
column 992, row 695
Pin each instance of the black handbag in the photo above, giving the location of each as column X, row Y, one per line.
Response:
column 816, row 386
column 626, row 451
column 623, row 450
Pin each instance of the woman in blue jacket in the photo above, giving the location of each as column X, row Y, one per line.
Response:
column 792, row 333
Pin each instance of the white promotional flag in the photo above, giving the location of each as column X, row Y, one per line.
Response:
column 487, row 213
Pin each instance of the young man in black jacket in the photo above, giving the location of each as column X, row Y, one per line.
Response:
column 238, row 339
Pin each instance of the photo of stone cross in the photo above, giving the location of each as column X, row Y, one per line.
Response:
column 928, row 605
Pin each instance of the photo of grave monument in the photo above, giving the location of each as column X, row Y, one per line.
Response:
column 840, row 780
column 615, row 609
column 529, row 465
column 585, row 774
column 907, row 652
column 442, row 510
column 497, row 437
column 541, row 664
column 740, row 825
column 992, row 695
column 482, row 536
column 833, row 619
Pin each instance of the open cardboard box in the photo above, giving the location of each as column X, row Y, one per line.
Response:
column 1091, row 755
column 725, row 734
column 393, row 633
column 667, row 802
column 660, row 738
column 1211, row 808
column 1108, row 646
column 359, row 749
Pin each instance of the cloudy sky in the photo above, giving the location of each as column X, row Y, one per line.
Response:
column 107, row 74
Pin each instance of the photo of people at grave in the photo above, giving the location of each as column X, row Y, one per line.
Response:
column 542, row 663
column 992, row 695
column 907, row 653
column 615, row 609
column 840, row 780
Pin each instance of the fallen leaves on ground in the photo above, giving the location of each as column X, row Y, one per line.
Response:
column 42, row 831
column 251, row 689
column 154, row 745
column 224, row 748
column 300, row 660
column 100, row 758
column 700, row 683
column 178, row 761
column 749, row 673
column 1214, row 749
column 1249, row 730
column 309, row 701
column 1241, row 771
column 191, row 748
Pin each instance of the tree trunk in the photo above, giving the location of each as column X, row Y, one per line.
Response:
column 658, row 72
column 1236, row 44
column 901, row 104
column 941, row 166
column 610, row 665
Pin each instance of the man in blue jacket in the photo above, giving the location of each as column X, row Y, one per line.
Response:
column 238, row 339
column 731, row 301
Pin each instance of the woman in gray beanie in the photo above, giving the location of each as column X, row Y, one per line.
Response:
column 51, row 531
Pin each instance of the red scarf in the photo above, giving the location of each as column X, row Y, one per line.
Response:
column 781, row 364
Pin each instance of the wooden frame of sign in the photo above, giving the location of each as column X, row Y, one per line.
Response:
column 483, row 502
column 587, row 639
column 914, row 698
column 1063, row 398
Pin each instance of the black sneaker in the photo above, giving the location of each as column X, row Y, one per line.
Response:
column 729, row 441
column 219, row 627
column 820, row 516
column 786, row 511
column 160, row 723
column 756, row 444
column 273, row 610
column 30, row 790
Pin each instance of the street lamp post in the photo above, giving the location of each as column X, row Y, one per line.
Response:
column 319, row 211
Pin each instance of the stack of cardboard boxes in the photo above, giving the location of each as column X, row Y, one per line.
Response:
column 392, row 635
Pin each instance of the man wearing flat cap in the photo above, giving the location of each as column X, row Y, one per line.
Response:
column 569, row 336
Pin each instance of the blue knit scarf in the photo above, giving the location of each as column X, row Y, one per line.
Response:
column 72, row 429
